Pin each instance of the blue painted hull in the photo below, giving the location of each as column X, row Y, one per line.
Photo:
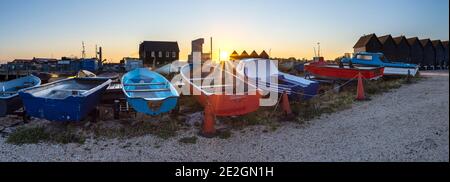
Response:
column 60, row 101
column 374, row 59
column 9, row 93
column 149, row 92
column 296, row 90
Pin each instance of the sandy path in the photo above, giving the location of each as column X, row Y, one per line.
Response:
column 408, row 124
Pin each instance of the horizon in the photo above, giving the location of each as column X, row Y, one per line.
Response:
column 286, row 28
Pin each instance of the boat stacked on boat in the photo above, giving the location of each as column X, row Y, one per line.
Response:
column 69, row 99
column 265, row 75
column 9, row 93
column 219, row 90
column 377, row 59
column 149, row 92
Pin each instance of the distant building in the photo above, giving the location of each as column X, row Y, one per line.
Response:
column 254, row 54
column 234, row 56
column 389, row 47
column 197, row 51
column 402, row 52
column 244, row 55
column 368, row 43
column 158, row 53
column 416, row 51
column 429, row 55
column 439, row 52
column 264, row 55
column 446, row 54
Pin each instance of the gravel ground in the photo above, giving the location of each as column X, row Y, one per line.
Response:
column 408, row 124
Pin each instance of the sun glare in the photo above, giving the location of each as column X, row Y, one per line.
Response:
column 224, row 56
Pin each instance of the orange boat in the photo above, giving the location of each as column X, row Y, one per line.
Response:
column 220, row 97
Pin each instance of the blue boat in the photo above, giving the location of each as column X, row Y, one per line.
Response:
column 68, row 100
column 9, row 93
column 378, row 59
column 149, row 92
column 265, row 75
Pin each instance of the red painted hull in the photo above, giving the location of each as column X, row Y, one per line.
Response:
column 221, row 103
column 332, row 71
column 230, row 105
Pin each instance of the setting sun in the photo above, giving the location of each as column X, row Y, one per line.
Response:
column 224, row 56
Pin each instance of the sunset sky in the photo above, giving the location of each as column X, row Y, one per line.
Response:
column 289, row 28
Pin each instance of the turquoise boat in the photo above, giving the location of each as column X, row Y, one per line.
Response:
column 149, row 92
column 391, row 68
column 9, row 93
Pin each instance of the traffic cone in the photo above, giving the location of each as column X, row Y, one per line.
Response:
column 286, row 106
column 208, row 128
column 360, row 90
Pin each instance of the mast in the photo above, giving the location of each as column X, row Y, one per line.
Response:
column 318, row 52
column 83, row 52
column 211, row 47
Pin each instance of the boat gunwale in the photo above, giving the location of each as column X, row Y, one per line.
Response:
column 208, row 77
column 83, row 94
column 171, row 87
column 23, row 89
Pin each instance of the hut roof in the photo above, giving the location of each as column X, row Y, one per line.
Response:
column 364, row 40
column 264, row 54
column 445, row 43
column 254, row 54
column 384, row 38
column 399, row 39
column 412, row 40
column 424, row 42
column 244, row 54
column 234, row 54
column 160, row 45
column 437, row 43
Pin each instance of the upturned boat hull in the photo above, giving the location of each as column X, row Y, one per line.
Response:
column 222, row 103
column 9, row 93
column 68, row 100
column 149, row 92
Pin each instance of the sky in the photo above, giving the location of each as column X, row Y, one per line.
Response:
column 285, row 28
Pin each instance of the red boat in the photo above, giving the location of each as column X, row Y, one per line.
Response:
column 223, row 99
column 342, row 72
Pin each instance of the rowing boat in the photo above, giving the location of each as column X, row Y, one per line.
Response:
column 264, row 74
column 343, row 72
column 149, row 92
column 9, row 93
column 377, row 59
column 70, row 99
column 232, row 98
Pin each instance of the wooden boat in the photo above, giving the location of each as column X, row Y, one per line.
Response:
column 264, row 74
column 9, row 93
column 286, row 65
column 342, row 72
column 69, row 99
column 149, row 92
column 229, row 99
column 377, row 59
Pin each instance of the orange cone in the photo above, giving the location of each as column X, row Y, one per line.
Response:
column 208, row 128
column 286, row 106
column 360, row 90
